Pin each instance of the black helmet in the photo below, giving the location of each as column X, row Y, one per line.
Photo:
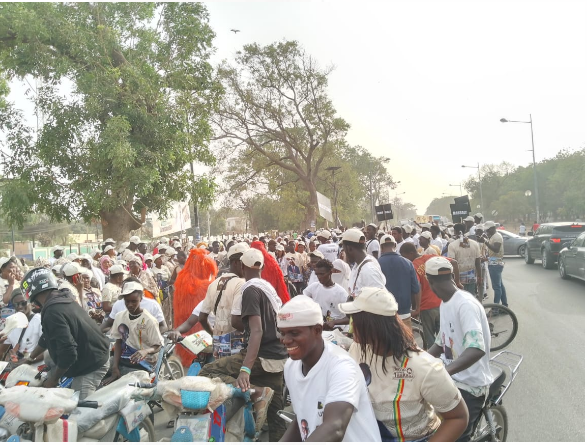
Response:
column 36, row 281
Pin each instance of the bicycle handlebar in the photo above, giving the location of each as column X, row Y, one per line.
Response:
column 143, row 385
column 87, row 404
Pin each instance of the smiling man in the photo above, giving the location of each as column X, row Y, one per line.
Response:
column 327, row 388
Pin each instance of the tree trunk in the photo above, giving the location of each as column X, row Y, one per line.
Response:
column 118, row 224
column 311, row 207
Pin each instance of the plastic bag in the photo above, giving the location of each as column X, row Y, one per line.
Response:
column 38, row 404
column 111, row 400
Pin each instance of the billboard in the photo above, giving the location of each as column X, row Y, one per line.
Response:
column 324, row 207
column 177, row 220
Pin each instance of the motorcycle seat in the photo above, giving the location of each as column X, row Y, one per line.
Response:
column 498, row 379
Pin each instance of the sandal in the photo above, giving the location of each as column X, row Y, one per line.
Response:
column 261, row 411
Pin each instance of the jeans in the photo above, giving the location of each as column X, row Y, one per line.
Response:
column 228, row 369
column 430, row 319
column 500, row 296
column 474, row 405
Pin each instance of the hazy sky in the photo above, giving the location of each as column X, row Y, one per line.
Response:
column 425, row 83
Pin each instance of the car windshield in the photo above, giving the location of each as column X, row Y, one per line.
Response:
column 510, row 234
column 572, row 230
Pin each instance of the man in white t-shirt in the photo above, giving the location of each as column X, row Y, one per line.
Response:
column 328, row 248
column 327, row 388
column 366, row 270
column 327, row 294
column 314, row 258
column 372, row 242
column 407, row 233
column 148, row 304
column 464, row 339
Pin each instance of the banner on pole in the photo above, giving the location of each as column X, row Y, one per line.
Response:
column 177, row 221
column 324, row 207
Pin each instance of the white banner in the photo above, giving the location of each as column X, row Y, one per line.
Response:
column 324, row 207
column 178, row 220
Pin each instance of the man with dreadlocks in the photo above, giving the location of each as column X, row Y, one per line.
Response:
column 191, row 286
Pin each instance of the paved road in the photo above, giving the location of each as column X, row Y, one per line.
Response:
column 547, row 400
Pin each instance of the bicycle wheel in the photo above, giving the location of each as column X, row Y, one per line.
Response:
column 172, row 370
column 496, row 416
column 419, row 337
column 503, row 325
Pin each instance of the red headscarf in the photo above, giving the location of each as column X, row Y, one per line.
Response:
column 272, row 272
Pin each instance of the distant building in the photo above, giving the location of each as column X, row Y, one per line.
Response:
column 236, row 224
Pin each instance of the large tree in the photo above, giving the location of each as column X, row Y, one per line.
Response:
column 276, row 112
column 126, row 94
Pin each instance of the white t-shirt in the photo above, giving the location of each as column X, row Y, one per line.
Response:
column 149, row 305
column 329, row 250
column 409, row 239
column 232, row 288
column 313, row 278
column 372, row 246
column 141, row 333
column 463, row 324
column 438, row 243
column 164, row 271
column 335, row 378
column 328, row 298
column 416, row 241
column 370, row 275
column 420, row 386
column 31, row 336
column 111, row 292
column 211, row 318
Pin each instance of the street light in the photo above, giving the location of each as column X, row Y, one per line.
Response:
column 504, row 120
column 480, row 185
column 459, row 185
column 334, row 170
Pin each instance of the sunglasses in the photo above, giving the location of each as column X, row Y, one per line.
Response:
column 21, row 304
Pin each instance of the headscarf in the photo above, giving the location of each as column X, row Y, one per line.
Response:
column 142, row 257
column 42, row 262
column 103, row 260
column 341, row 278
column 272, row 273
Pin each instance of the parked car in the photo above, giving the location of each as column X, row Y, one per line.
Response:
column 571, row 261
column 513, row 244
column 549, row 240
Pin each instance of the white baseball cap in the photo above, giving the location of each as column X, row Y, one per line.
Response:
column 299, row 311
column 135, row 240
column 407, row 228
column 155, row 257
column 107, row 249
column 325, row 234
column 124, row 246
column 469, row 218
column 375, row 226
column 164, row 239
column 251, row 257
column 434, row 264
column 237, row 248
column 488, row 225
column 426, row 235
column 3, row 261
column 109, row 240
column 117, row 268
column 130, row 287
column 171, row 251
column 71, row 269
column 54, row 248
column 387, row 239
column 373, row 300
column 177, row 244
column 353, row 236
column 317, row 253
column 479, row 215
column 279, row 247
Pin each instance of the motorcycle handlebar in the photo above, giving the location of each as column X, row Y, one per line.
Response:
column 143, row 385
column 87, row 404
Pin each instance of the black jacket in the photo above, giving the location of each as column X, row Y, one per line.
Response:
column 73, row 339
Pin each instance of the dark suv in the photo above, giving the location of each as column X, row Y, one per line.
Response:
column 548, row 241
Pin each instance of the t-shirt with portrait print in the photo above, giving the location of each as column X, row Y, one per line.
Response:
column 137, row 333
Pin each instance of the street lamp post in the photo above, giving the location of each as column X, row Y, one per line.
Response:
column 460, row 186
column 533, row 162
column 480, row 185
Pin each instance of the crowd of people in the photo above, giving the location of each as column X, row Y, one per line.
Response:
column 277, row 296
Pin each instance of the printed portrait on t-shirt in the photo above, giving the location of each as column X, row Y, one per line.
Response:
column 305, row 429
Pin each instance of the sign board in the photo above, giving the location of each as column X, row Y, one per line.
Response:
column 463, row 201
column 384, row 212
column 177, row 221
column 458, row 212
column 422, row 219
column 324, row 207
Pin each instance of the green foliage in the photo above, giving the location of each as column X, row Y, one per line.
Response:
column 142, row 91
column 440, row 206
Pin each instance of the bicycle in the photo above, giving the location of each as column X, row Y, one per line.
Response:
column 503, row 326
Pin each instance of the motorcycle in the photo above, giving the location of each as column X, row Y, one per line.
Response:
column 53, row 414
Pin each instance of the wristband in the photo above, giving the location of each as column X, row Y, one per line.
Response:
column 245, row 369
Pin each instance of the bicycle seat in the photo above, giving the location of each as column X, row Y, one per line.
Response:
column 498, row 379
